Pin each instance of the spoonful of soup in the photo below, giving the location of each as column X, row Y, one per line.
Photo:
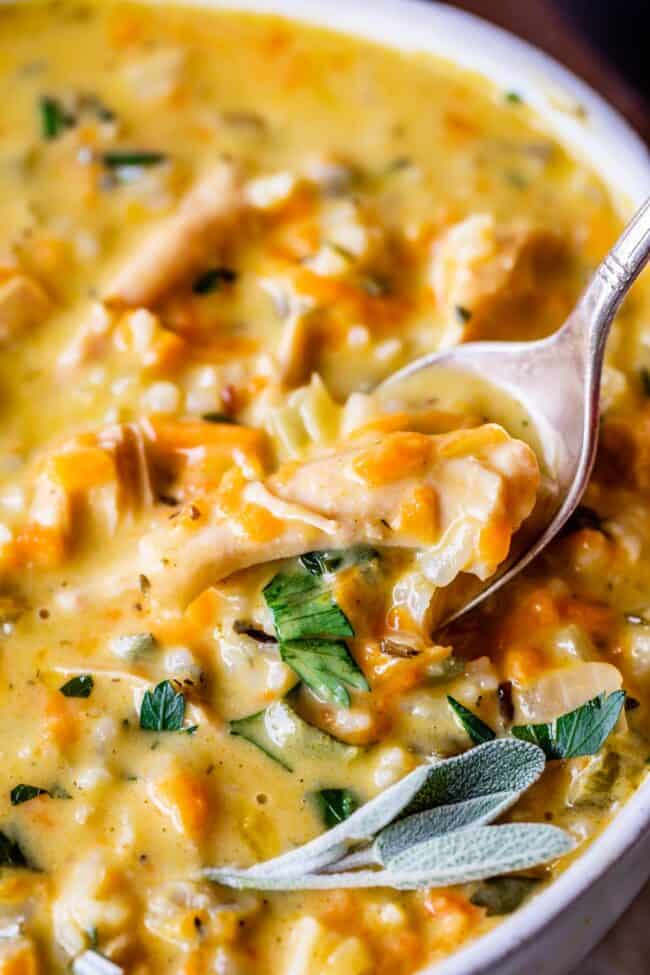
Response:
column 546, row 392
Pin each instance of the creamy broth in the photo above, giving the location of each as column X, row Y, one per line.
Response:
column 219, row 233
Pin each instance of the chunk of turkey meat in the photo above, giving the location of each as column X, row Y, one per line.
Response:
column 458, row 496
column 180, row 245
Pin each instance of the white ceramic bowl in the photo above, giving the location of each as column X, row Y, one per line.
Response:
column 554, row 932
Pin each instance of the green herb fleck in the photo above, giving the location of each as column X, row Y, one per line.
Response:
column 23, row 793
column 303, row 607
column 163, row 709
column 516, row 179
column 54, row 119
column 80, row 686
column 117, row 160
column 11, row 854
column 579, row 732
column 325, row 666
column 212, row 280
column 503, row 895
column 513, row 97
column 477, row 730
column 334, row 805
column 308, row 622
column 331, row 560
column 397, row 164
column 217, row 418
column 58, row 792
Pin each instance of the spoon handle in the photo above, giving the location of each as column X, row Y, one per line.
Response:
column 610, row 283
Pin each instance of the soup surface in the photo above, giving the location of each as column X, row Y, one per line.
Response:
column 225, row 564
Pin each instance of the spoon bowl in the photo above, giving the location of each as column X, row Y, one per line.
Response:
column 556, row 381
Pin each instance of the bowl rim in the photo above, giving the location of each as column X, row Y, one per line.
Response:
column 596, row 134
column 581, row 119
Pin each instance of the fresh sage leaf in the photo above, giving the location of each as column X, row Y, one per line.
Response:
column 477, row 811
column 477, row 730
column 80, row 686
column 304, row 607
column 360, row 826
column 335, row 805
column 453, row 858
column 494, row 767
column 486, row 851
column 162, row 709
column 23, row 793
column 11, row 854
column 579, row 732
column 502, row 769
column 503, row 895
column 325, row 666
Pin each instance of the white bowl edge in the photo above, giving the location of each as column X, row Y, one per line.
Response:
column 602, row 139
column 579, row 117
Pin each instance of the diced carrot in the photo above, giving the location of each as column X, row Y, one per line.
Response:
column 532, row 610
column 186, row 798
column 18, row 959
column 60, row 719
column 424, row 421
column 453, row 914
column 168, row 353
column 339, row 907
column 256, row 522
column 124, row 27
column 460, row 443
column 39, row 545
column 522, row 664
column 403, row 950
column 419, row 515
column 205, row 610
column 460, row 126
column 186, row 434
column 398, row 456
column 193, row 964
column 110, row 881
column 82, row 468
column 494, row 540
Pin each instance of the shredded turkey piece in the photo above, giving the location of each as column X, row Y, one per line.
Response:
column 460, row 496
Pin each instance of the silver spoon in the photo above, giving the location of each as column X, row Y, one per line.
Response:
column 557, row 382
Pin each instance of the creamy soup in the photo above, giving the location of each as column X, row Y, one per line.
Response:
column 226, row 564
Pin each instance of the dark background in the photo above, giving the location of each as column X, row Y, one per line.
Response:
column 606, row 42
column 620, row 29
